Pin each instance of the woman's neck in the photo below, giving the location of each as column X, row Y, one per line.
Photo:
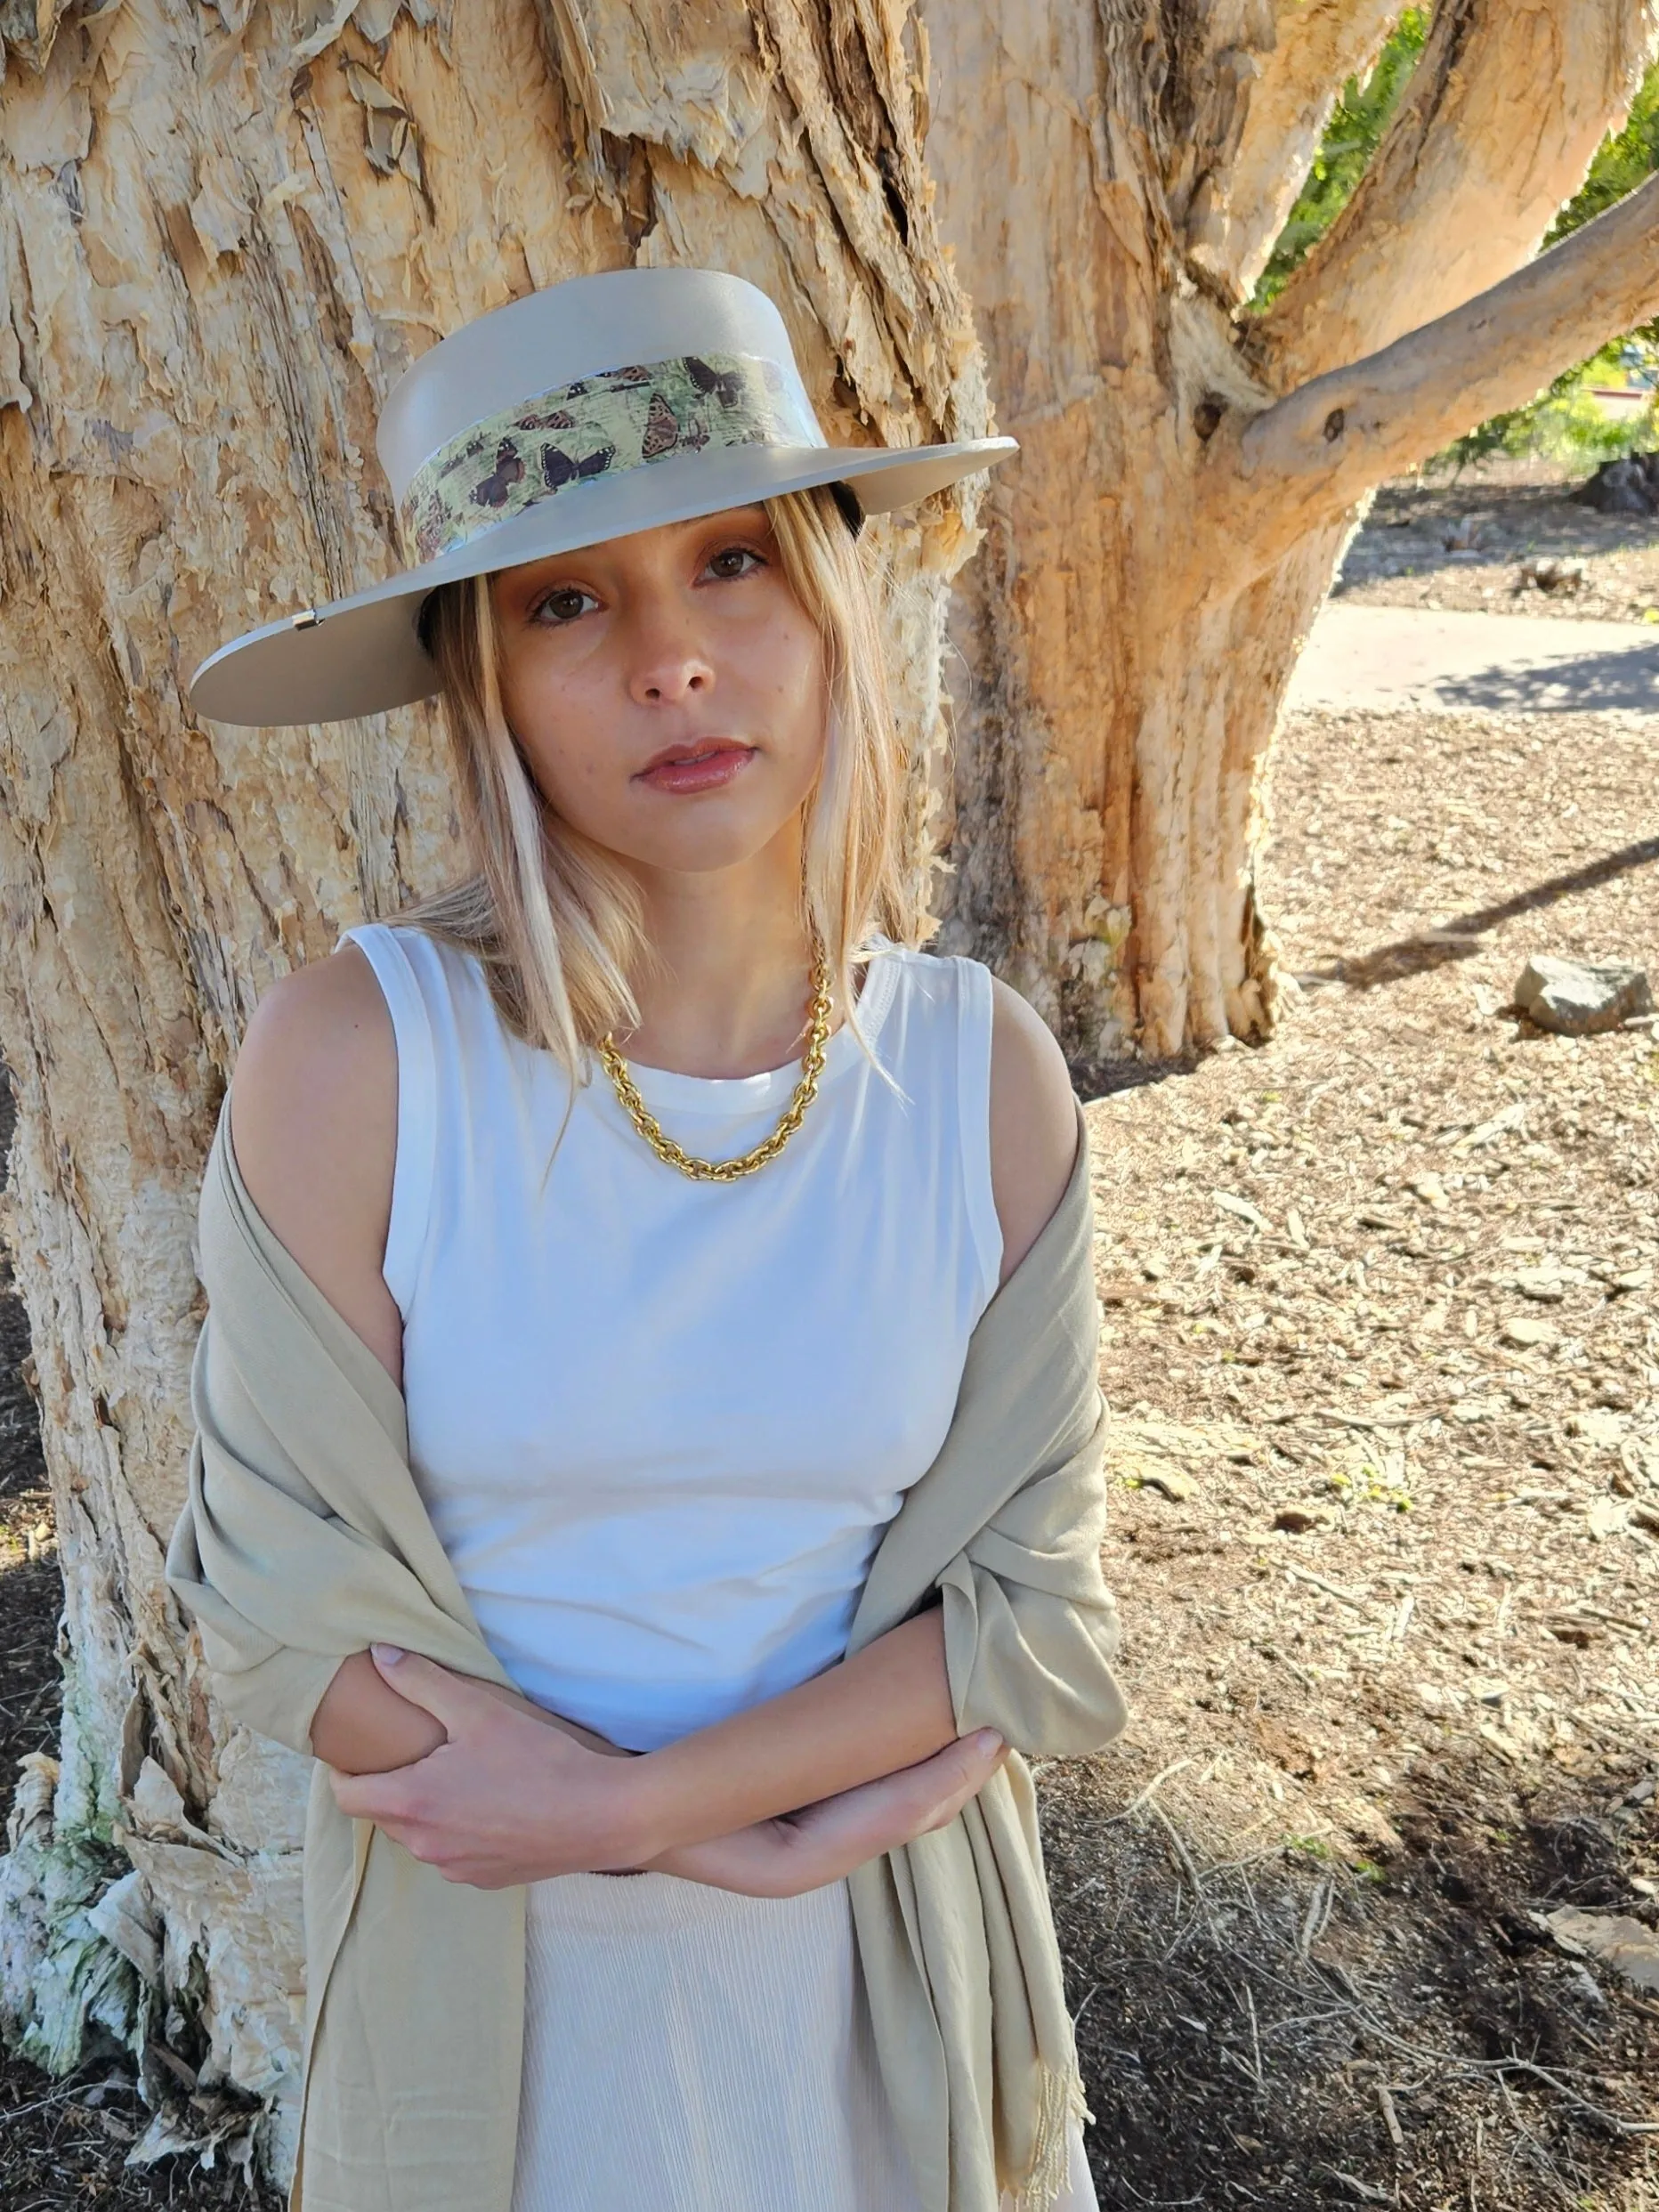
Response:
column 732, row 996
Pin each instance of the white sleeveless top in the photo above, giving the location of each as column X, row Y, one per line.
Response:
column 659, row 1425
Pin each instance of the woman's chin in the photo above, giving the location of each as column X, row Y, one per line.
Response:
column 701, row 837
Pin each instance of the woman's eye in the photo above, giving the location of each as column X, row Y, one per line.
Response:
column 565, row 604
column 734, row 560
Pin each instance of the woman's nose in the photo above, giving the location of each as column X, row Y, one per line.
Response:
column 668, row 663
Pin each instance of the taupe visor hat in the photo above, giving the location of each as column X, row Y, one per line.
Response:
column 598, row 406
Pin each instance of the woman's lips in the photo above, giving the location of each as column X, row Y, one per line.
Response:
column 705, row 769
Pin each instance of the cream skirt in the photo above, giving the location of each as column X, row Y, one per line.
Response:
column 689, row 2050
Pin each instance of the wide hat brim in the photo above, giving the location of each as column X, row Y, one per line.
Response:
column 362, row 655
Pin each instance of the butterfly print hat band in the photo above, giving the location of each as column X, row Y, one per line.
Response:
column 597, row 406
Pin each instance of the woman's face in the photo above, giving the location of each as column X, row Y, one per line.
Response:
column 667, row 688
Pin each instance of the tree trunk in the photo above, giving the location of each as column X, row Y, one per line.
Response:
column 1112, row 178
column 225, row 230
column 223, row 235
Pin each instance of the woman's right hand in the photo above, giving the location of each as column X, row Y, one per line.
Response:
column 822, row 1842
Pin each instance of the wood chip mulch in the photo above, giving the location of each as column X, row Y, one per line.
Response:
column 1383, row 1348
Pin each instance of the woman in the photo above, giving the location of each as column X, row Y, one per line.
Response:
column 669, row 1180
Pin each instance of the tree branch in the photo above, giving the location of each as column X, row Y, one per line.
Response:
column 1507, row 105
column 1315, row 452
column 1318, row 44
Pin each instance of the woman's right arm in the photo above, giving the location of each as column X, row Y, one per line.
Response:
column 314, row 1128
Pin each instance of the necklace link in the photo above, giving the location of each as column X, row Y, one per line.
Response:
column 675, row 1155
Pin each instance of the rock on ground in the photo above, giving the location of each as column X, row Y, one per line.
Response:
column 1582, row 998
column 1627, row 486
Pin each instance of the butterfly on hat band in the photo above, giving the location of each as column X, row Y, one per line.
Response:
column 622, row 418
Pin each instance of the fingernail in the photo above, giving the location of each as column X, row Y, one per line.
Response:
column 388, row 1654
column 988, row 1742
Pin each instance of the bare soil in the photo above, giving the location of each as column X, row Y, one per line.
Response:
column 1388, row 1578
column 1463, row 546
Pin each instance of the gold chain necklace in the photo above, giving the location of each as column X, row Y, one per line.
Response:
column 728, row 1171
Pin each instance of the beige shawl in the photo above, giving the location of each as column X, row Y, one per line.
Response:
column 304, row 1539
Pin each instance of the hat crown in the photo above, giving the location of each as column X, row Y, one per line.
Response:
column 580, row 327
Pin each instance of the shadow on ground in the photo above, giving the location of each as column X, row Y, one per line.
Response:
column 1589, row 683
column 1287, row 2028
column 1461, row 938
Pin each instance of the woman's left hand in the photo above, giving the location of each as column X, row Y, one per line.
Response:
column 512, row 1796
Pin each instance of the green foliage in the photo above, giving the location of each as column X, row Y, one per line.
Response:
column 1363, row 110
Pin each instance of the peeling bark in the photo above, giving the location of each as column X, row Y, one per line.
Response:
column 223, row 233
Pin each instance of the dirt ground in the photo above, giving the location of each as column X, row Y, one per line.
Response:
column 1388, row 1576
column 1435, row 544
column 1382, row 1346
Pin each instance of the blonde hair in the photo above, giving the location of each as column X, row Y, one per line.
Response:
column 557, row 922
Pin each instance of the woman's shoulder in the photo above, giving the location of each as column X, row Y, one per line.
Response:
column 420, row 968
column 1022, row 1044
column 1032, row 1105
column 1033, row 1121
column 1021, row 1048
column 945, row 980
column 313, row 1124
column 319, row 1032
